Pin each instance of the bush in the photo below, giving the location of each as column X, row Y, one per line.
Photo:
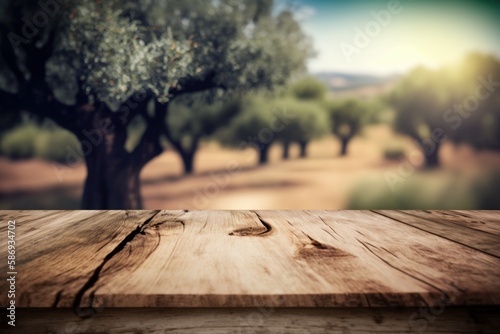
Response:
column 308, row 88
column 32, row 141
column 486, row 191
column 394, row 153
column 19, row 143
column 53, row 145
column 308, row 120
column 425, row 191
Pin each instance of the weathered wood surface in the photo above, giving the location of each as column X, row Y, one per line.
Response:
column 455, row 229
column 268, row 320
column 58, row 251
column 253, row 259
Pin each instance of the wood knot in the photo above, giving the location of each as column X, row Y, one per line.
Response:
column 318, row 249
column 263, row 230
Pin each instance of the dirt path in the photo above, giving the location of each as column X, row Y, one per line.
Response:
column 227, row 179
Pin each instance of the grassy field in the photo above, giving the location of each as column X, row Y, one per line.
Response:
column 228, row 179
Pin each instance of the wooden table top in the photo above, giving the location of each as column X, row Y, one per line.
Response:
column 254, row 258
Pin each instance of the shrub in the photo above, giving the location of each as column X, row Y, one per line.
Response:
column 394, row 153
column 53, row 145
column 424, row 191
column 19, row 143
column 32, row 141
column 486, row 191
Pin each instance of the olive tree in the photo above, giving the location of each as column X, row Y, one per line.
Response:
column 347, row 119
column 197, row 116
column 95, row 66
column 420, row 100
column 256, row 126
column 473, row 112
column 308, row 121
column 308, row 88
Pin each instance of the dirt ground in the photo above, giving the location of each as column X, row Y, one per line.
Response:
column 229, row 179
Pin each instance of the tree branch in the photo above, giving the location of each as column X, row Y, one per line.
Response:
column 149, row 145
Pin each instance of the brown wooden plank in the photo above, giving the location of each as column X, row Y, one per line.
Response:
column 469, row 276
column 269, row 320
column 242, row 258
column 484, row 221
column 292, row 259
column 58, row 251
column 473, row 238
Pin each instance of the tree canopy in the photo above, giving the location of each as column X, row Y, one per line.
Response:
column 308, row 121
column 347, row 118
column 457, row 102
column 94, row 66
column 308, row 88
column 197, row 116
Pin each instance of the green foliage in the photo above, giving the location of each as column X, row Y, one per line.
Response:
column 477, row 124
column 308, row 88
column 195, row 116
column 347, row 117
column 379, row 112
column 135, row 130
column 19, row 143
column 449, row 100
column 428, row 191
column 394, row 152
column 32, row 141
column 117, row 55
column 420, row 100
column 256, row 115
column 486, row 190
column 119, row 48
column 307, row 120
column 53, row 145
column 424, row 192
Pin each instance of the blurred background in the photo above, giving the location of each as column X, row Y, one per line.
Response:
column 307, row 104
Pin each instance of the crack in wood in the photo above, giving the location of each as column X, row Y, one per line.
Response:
column 95, row 276
column 437, row 234
column 367, row 245
column 318, row 249
column 331, row 228
column 450, row 222
column 255, row 232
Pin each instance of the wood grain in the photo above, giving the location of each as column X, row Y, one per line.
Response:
column 292, row 259
column 453, row 230
column 276, row 321
column 58, row 251
column 485, row 221
column 252, row 259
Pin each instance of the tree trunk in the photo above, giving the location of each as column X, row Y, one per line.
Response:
column 343, row 149
column 303, row 149
column 286, row 150
column 432, row 158
column 112, row 180
column 263, row 155
column 187, row 157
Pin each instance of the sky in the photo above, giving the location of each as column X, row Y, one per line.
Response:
column 349, row 38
